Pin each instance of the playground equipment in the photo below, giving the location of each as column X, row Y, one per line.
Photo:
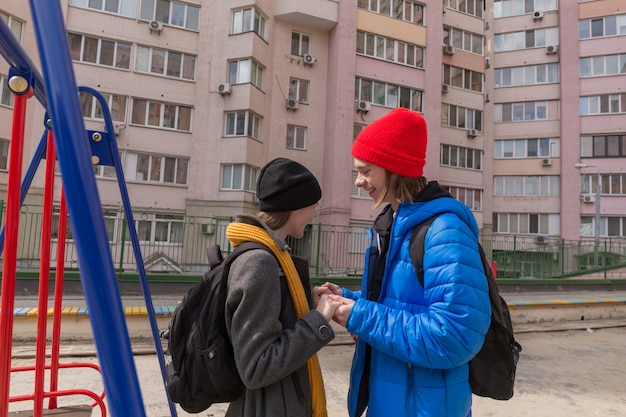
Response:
column 67, row 141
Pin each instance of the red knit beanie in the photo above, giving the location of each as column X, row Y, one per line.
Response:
column 396, row 142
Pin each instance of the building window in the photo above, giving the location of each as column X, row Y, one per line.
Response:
column 92, row 110
column 163, row 62
column 407, row 10
column 462, row 40
column 525, row 223
column 611, row 184
column 6, row 99
column 98, row 51
column 156, row 168
column 104, row 171
column 296, row 137
column 471, row 197
column 461, row 157
column 463, row 78
column 461, row 117
column 159, row 228
column 474, row 8
column 526, row 111
column 357, row 128
column 121, row 7
column 299, row 90
column 603, row 65
column 242, row 123
column 526, row 75
column 526, row 39
column 248, row 20
column 245, row 71
column 111, row 222
column 505, row 8
column 14, row 24
column 527, row 186
column 525, row 148
column 388, row 49
column 239, row 177
column 388, row 95
column 4, row 154
column 603, row 104
column 588, row 228
column 603, row 146
column 358, row 192
column 300, row 44
column 171, row 12
column 162, row 115
column 600, row 27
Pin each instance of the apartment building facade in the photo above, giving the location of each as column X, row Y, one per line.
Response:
column 517, row 94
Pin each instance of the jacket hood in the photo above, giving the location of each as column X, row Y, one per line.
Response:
column 432, row 201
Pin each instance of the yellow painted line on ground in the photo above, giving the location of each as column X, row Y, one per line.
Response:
column 562, row 302
column 32, row 312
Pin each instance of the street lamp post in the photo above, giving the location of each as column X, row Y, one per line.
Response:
column 597, row 218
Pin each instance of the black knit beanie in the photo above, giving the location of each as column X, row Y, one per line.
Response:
column 286, row 185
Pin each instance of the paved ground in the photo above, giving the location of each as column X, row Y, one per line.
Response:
column 567, row 369
column 561, row 374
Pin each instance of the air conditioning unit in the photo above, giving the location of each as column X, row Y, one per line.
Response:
column 309, row 59
column 487, row 62
column 487, row 99
column 552, row 49
column 448, row 49
column 540, row 239
column 444, row 88
column 472, row 133
column 546, row 162
column 363, row 106
column 207, row 229
column 156, row 26
column 486, row 25
column 538, row 15
column 223, row 88
column 589, row 199
column 292, row 104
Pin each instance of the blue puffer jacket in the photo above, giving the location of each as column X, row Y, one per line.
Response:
column 422, row 338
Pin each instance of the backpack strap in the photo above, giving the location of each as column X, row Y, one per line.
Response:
column 416, row 248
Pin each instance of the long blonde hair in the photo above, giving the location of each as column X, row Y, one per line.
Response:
column 401, row 188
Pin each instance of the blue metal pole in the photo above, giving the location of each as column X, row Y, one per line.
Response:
column 94, row 256
column 114, row 153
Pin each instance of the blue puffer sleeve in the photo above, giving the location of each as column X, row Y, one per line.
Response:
column 353, row 295
column 442, row 325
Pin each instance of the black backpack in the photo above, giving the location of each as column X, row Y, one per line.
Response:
column 492, row 370
column 202, row 370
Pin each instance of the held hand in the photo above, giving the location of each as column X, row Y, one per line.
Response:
column 327, row 288
column 342, row 313
column 332, row 288
column 327, row 306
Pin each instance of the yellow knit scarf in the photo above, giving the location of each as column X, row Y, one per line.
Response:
column 238, row 233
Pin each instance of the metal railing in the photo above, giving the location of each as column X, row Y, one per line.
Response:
column 177, row 245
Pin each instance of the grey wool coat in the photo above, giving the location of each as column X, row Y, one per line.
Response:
column 271, row 346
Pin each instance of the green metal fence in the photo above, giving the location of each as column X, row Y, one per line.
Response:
column 177, row 245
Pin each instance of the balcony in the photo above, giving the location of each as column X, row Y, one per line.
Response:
column 318, row 14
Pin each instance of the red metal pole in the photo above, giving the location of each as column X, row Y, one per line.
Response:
column 58, row 301
column 9, row 263
column 44, row 279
